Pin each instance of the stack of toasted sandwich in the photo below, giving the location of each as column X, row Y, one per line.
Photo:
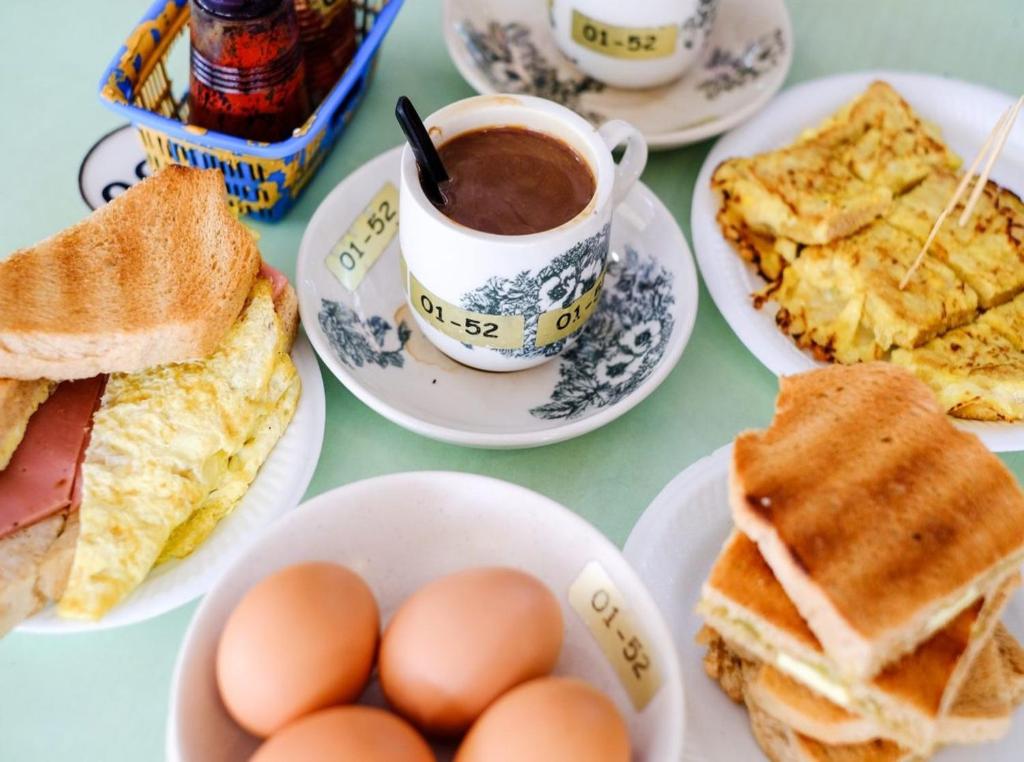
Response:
column 856, row 607
column 144, row 378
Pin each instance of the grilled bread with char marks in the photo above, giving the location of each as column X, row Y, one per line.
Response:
column 842, row 497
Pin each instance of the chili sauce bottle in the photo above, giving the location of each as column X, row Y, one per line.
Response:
column 248, row 76
column 327, row 29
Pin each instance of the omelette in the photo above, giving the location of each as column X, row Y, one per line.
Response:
column 838, row 177
column 881, row 139
column 844, row 297
column 986, row 253
column 976, row 371
column 802, row 192
column 768, row 254
column 172, row 450
column 833, row 223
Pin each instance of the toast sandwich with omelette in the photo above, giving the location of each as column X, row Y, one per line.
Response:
column 856, row 606
column 144, row 358
column 834, row 221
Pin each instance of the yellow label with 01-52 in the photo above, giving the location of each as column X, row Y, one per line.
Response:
column 476, row 328
column 606, row 613
column 554, row 325
column 640, row 43
column 351, row 258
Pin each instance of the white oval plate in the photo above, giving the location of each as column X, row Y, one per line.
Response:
column 673, row 547
column 964, row 112
column 506, row 46
column 636, row 336
column 399, row 532
column 278, row 487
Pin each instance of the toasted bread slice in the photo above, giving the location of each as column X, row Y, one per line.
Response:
column 744, row 602
column 18, row 401
column 156, row 276
column 883, row 140
column 843, row 497
column 34, row 566
column 815, row 729
column 736, row 673
column 1012, row 654
column 783, row 744
column 980, row 713
column 988, row 253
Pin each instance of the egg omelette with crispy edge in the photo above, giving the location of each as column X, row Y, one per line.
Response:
column 169, row 442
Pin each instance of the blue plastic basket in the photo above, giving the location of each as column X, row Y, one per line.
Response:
column 263, row 179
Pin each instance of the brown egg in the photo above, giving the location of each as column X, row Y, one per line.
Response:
column 553, row 719
column 302, row 639
column 346, row 734
column 461, row 641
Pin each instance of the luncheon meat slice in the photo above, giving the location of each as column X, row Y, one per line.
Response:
column 40, row 478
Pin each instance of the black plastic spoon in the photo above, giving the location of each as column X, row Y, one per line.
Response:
column 432, row 171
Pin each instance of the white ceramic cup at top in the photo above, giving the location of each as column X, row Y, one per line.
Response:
column 510, row 302
column 632, row 45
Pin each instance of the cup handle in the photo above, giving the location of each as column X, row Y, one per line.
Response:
column 628, row 170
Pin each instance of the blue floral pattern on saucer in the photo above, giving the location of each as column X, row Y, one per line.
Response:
column 620, row 346
column 360, row 342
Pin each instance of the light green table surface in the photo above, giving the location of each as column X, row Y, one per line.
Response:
column 104, row 697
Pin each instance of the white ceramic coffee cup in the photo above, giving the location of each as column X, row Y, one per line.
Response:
column 500, row 302
column 632, row 45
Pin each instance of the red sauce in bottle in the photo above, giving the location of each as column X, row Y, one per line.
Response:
column 247, row 72
column 327, row 29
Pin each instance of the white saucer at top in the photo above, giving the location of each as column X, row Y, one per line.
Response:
column 507, row 46
column 673, row 547
column 369, row 340
column 962, row 111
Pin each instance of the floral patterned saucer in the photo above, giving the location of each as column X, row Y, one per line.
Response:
column 506, row 46
column 369, row 340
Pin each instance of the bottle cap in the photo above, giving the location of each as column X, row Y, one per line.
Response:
column 239, row 9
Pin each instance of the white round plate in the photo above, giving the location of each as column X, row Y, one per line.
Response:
column 114, row 163
column 964, row 112
column 673, row 547
column 401, row 531
column 278, row 487
column 506, row 46
column 369, row 341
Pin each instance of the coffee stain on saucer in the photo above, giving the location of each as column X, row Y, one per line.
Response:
column 420, row 348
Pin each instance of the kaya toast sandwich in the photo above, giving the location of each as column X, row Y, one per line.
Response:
column 880, row 520
column 907, row 701
column 790, row 721
column 170, row 343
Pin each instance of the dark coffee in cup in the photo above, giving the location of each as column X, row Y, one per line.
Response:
column 513, row 181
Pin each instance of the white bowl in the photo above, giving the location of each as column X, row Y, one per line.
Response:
column 401, row 531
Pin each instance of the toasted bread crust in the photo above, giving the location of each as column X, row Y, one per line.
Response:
column 18, row 401
column 156, row 276
column 843, row 496
column 34, row 564
column 745, row 603
column 981, row 712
